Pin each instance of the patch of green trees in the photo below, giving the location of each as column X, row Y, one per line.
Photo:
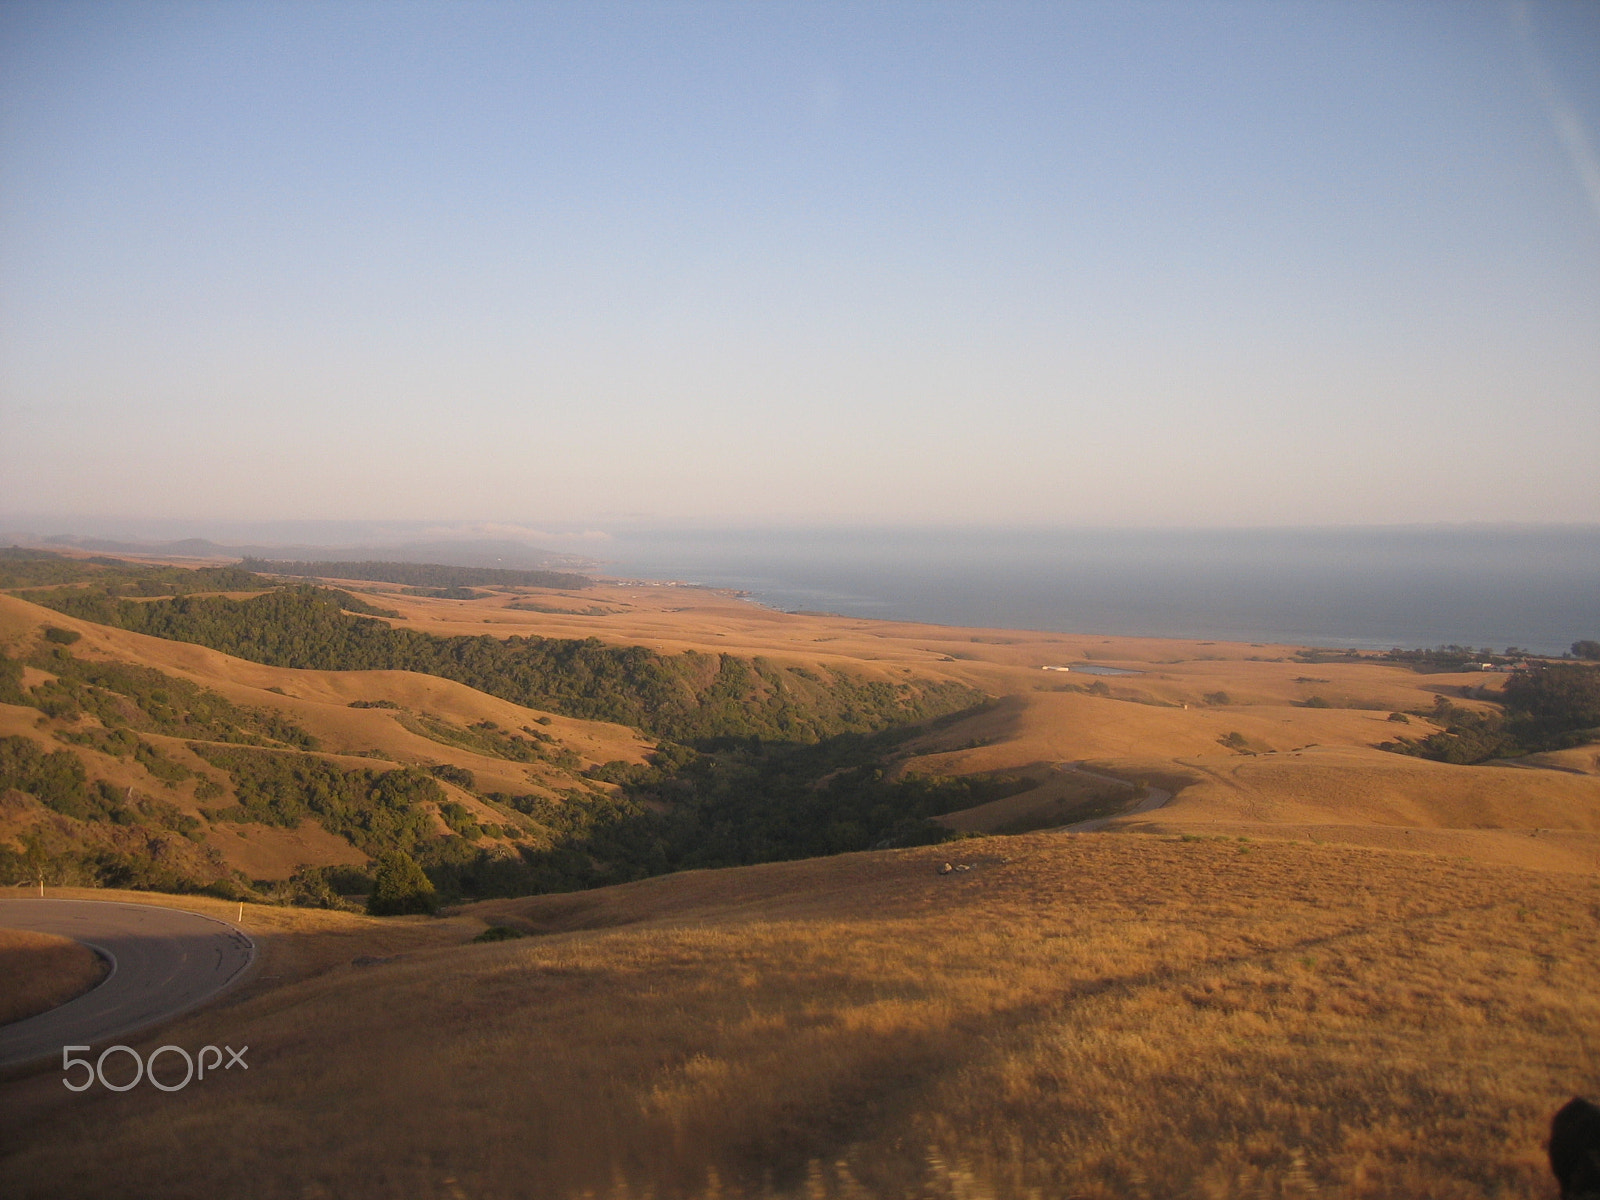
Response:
column 1547, row 706
column 24, row 568
column 376, row 810
column 729, row 803
column 57, row 779
column 399, row 886
column 449, row 593
column 123, row 695
column 490, row 740
column 685, row 697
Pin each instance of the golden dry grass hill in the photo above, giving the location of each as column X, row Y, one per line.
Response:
column 1321, row 969
column 1092, row 1015
column 42, row 971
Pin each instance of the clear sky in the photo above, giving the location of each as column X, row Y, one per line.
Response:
column 1044, row 264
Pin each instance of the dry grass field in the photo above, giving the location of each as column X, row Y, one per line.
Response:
column 1095, row 1015
column 42, row 971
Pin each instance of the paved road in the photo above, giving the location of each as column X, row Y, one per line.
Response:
column 1154, row 798
column 164, row 961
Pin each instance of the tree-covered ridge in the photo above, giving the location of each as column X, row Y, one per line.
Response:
column 362, row 608
column 99, row 834
column 447, row 593
column 376, row 810
column 24, row 568
column 58, row 781
column 1548, row 706
column 112, row 835
column 421, row 575
column 115, row 836
column 125, row 696
column 97, row 603
column 686, row 697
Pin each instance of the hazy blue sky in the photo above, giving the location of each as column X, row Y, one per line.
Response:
column 1044, row 263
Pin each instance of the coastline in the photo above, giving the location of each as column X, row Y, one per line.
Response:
column 784, row 600
column 1364, row 589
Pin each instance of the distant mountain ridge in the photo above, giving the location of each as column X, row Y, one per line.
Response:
column 425, row 575
column 496, row 553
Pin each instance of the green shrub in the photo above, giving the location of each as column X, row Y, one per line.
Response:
column 308, row 887
column 498, row 933
column 459, row 818
column 56, row 779
column 159, row 765
column 228, row 889
column 399, row 887
column 451, row 773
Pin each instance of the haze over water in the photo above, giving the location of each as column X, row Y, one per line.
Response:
column 582, row 267
column 1371, row 588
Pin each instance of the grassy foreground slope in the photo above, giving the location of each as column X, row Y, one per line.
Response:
column 1090, row 1015
column 42, row 971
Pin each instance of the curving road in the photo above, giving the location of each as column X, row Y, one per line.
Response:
column 164, row 961
column 1154, row 798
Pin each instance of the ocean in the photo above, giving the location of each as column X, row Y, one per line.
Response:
column 1533, row 587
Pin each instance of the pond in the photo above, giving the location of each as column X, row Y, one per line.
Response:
column 1094, row 669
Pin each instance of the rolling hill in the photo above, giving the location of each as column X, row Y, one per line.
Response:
column 1091, row 1015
